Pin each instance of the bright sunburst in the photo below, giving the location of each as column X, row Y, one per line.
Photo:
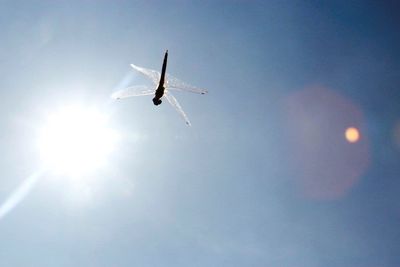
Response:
column 76, row 140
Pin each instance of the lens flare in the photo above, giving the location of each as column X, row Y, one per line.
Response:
column 352, row 134
column 319, row 124
column 19, row 194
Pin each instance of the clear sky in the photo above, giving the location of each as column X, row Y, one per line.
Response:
column 264, row 177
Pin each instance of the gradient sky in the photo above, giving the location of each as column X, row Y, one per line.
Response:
column 264, row 177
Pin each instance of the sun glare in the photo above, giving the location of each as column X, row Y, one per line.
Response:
column 75, row 141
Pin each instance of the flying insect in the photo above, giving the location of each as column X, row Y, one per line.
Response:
column 163, row 83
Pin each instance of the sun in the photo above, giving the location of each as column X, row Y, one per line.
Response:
column 76, row 140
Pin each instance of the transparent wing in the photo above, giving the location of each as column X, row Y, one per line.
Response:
column 174, row 83
column 172, row 100
column 153, row 75
column 133, row 91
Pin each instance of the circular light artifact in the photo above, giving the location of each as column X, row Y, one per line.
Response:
column 352, row 135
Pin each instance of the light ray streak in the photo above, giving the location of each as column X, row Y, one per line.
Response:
column 19, row 194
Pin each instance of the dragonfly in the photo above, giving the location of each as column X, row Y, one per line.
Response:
column 163, row 84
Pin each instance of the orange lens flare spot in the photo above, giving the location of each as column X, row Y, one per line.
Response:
column 352, row 135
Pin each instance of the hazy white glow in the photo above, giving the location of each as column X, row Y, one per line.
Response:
column 76, row 140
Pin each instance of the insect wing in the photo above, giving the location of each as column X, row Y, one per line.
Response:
column 174, row 83
column 133, row 91
column 172, row 100
column 153, row 75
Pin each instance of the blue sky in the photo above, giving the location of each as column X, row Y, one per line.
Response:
column 264, row 177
